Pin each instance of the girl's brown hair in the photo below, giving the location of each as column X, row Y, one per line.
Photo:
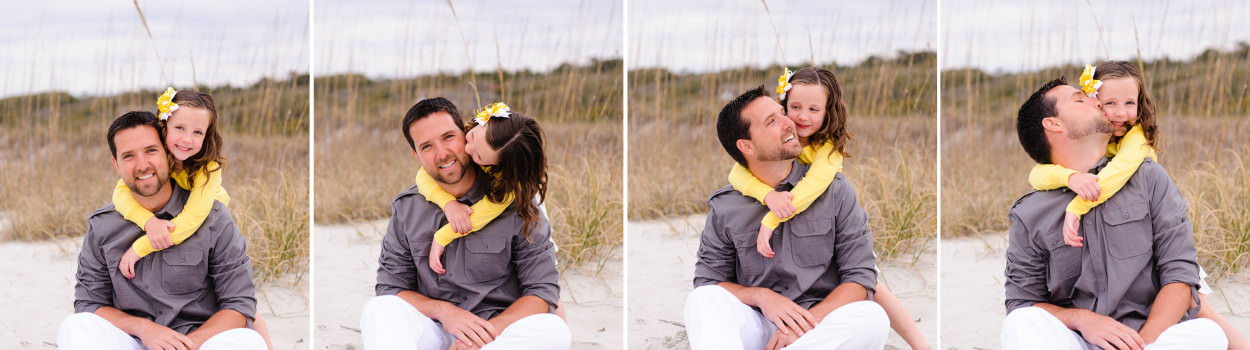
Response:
column 522, row 167
column 833, row 130
column 211, row 151
column 1145, row 104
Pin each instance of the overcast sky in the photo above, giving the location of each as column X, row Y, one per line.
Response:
column 100, row 47
column 402, row 38
column 1027, row 35
column 709, row 35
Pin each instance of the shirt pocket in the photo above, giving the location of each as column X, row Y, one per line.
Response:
column 487, row 259
column 750, row 262
column 814, row 239
column 1129, row 231
column 183, row 271
column 1065, row 269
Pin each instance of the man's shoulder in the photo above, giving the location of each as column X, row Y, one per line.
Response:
column 410, row 197
column 1036, row 203
column 726, row 197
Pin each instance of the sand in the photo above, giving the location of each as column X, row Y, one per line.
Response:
column 346, row 266
column 38, row 292
column 661, row 268
column 972, row 293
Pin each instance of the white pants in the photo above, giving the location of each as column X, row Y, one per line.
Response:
column 1035, row 328
column 716, row 319
column 388, row 322
column 86, row 330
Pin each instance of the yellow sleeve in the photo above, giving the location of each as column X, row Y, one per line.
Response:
column 746, row 182
column 1132, row 150
column 432, row 192
column 206, row 189
column 1049, row 176
column 826, row 163
column 484, row 211
column 130, row 209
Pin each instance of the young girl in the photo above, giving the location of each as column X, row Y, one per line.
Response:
column 1130, row 109
column 812, row 98
column 509, row 147
column 191, row 137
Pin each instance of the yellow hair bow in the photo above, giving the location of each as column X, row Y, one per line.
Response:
column 783, row 83
column 1089, row 85
column 498, row 110
column 165, row 104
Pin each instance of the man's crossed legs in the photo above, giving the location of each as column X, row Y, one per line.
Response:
column 388, row 322
column 86, row 330
column 715, row 319
column 1035, row 328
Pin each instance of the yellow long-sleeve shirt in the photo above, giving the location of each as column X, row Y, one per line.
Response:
column 826, row 163
column 204, row 190
column 1126, row 157
column 484, row 211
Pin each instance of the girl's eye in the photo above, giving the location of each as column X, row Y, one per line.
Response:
column 1130, row 103
column 1109, row 104
column 198, row 133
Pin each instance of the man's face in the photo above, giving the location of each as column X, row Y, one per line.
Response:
column 772, row 134
column 1080, row 115
column 439, row 146
column 141, row 160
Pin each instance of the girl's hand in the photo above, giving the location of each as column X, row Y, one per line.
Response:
column 1085, row 185
column 127, row 265
column 436, row 255
column 458, row 217
column 1071, row 222
column 158, row 233
column 780, row 203
column 761, row 242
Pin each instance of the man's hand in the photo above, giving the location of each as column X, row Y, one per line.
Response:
column 780, row 340
column 761, row 242
column 1107, row 333
column 155, row 336
column 467, row 327
column 127, row 265
column 1071, row 223
column 459, row 345
column 458, row 217
column 1085, row 185
column 780, row 203
column 789, row 317
column 158, row 233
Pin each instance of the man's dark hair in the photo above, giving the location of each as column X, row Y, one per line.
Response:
column 1029, row 121
column 426, row 107
column 730, row 127
column 132, row 120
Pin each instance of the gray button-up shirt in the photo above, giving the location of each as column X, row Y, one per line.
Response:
column 1135, row 243
column 487, row 270
column 179, row 287
column 824, row 246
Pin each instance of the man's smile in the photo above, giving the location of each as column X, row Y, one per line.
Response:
column 448, row 164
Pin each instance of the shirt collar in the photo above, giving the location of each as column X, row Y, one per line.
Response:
column 797, row 171
column 177, row 200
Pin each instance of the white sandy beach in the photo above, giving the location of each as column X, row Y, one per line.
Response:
column 662, row 257
column 346, row 266
column 38, row 292
column 972, row 293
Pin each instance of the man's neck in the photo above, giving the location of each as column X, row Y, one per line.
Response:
column 1081, row 154
column 771, row 173
column 157, row 201
column 462, row 187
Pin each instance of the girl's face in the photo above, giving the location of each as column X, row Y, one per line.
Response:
column 185, row 131
column 805, row 105
column 476, row 147
column 1119, row 102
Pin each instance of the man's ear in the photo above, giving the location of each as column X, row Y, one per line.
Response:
column 1052, row 124
column 114, row 159
column 746, row 147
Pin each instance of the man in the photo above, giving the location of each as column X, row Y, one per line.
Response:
column 499, row 287
column 814, row 293
column 195, row 295
column 1132, row 284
